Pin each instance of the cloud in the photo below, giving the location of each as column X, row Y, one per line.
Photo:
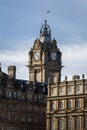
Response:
column 19, row 58
column 74, row 59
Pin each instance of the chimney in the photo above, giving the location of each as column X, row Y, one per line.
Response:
column 12, row 71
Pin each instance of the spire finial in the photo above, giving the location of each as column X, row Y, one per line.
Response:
column 45, row 21
column 45, row 33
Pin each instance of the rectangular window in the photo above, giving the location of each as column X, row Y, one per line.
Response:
column 9, row 115
column 29, row 108
column 78, row 103
column 52, row 90
column 85, row 102
column 0, row 92
column 69, row 124
column 52, row 125
column 14, row 94
column 23, row 117
column 77, row 88
column 78, row 123
column 69, row 104
column 24, row 107
column 1, row 128
column 29, row 118
column 61, row 104
column 61, row 124
column 52, row 105
column 85, row 122
column 8, row 94
column 69, row 89
column 85, row 87
column 60, row 90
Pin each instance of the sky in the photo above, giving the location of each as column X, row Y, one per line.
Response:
column 20, row 23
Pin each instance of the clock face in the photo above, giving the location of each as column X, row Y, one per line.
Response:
column 37, row 55
column 53, row 56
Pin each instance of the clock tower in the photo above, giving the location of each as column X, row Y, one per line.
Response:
column 45, row 58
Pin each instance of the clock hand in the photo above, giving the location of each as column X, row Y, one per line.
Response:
column 37, row 55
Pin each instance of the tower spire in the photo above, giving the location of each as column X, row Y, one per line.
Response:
column 45, row 33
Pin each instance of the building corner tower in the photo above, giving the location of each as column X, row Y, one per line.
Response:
column 45, row 58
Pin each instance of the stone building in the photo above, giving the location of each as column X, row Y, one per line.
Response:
column 44, row 57
column 67, row 104
column 22, row 103
column 66, row 100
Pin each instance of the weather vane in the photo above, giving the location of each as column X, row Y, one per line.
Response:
column 46, row 14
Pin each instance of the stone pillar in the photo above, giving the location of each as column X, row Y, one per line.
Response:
column 64, row 123
column 73, row 123
column 44, row 76
column 82, row 122
column 49, row 87
column 65, row 104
